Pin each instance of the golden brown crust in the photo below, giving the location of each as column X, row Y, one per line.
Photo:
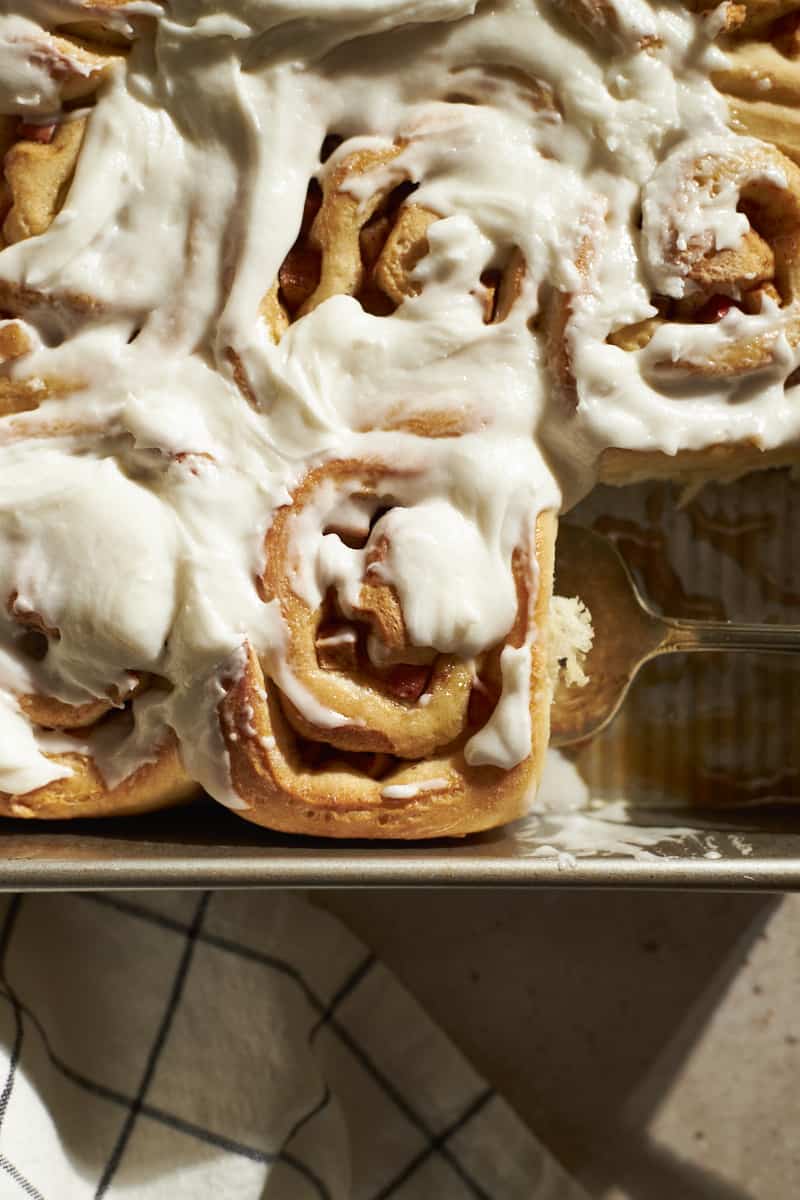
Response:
column 761, row 77
column 720, row 462
column 38, row 175
column 154, row 785
column 768, row 122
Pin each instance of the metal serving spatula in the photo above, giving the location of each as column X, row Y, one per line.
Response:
column 627, row 633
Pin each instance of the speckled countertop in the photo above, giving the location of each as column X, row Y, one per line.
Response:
column 651, row 1040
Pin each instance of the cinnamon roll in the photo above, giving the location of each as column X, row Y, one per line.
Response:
column 362, row 721
column 81, row 738
column 719, row 245
column 366, row 247
column 362, row 235
column 40, row 148
column 721, row 242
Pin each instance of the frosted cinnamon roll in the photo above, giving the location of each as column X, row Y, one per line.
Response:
column 78, row 785
column 42, row 130
column 77, row 746
column 351, row 245
column 81, row 738
column 376, row 714
column 721, row 244
column 362, row 235
column 721, row 216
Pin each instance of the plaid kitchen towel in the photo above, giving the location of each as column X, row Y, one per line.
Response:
column 178, row 1045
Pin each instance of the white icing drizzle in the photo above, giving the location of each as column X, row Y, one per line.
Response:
column 138, row 532
column 506, row 736
column 24, row 764
column 407, row 791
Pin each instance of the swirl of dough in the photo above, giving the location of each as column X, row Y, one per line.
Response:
column 362, row 235
column 721, row 247
column 351, row 246
column 352, row 722
column 353, row 652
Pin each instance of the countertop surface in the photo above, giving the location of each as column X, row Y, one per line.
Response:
column 652, row 1040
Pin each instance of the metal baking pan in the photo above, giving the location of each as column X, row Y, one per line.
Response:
column 696, row 784
column 206, row 847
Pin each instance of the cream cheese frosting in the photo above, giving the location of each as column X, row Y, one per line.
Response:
column 133, row 510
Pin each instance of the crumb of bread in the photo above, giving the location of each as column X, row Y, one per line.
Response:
column 571, row 637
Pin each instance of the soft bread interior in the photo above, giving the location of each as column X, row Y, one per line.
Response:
column 571, row 635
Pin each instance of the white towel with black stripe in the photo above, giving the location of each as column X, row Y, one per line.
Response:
column 188, row 1046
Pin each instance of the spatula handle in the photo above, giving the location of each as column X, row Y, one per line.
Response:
column 686, row 635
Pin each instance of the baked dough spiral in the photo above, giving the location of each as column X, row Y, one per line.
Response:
column 350, row 729
column 367, row 246
column 756, row 187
